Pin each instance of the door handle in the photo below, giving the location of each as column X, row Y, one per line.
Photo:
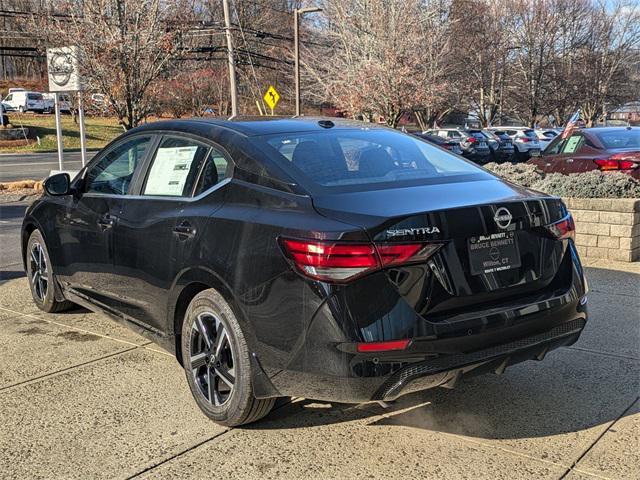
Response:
column 184, row 230
column 569, row 160
column 106, row 221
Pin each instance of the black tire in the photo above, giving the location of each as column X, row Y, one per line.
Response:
column 44, row 288
column 216, row 361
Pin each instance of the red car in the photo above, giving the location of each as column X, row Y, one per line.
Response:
column 599, row 148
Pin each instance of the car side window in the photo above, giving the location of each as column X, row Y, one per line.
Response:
column 555, row 146
column 114, row 171
column 175, row 167
column 215, row 170
column 573, row 144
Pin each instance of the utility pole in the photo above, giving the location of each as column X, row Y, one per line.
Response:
column 231, row 58
column 297, row 13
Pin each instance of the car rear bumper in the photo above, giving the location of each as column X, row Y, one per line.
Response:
column 386, row 376
column 446, row 371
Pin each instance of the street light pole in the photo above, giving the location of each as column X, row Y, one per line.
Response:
column 297, row 13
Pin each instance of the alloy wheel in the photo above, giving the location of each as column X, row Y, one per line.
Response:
column 39, row 273
column 211, row 357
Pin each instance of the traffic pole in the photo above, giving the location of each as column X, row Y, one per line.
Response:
column 56, row 98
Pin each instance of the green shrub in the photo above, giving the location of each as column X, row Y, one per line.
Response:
column 593, row 184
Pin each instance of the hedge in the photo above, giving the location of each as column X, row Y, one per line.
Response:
column 593, row 184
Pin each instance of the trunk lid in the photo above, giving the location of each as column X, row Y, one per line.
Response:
column 475, row 221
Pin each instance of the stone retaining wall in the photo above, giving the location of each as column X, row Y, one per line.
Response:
column 607, row 228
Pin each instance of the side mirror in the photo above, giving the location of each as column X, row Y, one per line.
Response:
column 58, row 184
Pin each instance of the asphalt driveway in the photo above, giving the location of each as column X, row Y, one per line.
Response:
column 82, row 397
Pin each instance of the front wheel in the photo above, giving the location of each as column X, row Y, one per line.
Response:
column 41, row 277
column 216, row 362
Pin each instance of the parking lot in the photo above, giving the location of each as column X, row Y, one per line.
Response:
column 83, row 397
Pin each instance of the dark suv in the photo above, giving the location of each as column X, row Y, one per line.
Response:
column 472, row 142
column 501, row 145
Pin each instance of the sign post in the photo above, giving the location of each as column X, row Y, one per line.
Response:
column 83, row 137
column 271, row 98
column 56, row 100
column 62, row 67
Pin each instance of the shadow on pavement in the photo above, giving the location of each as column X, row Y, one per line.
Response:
column 12, row 212
column 6, row 275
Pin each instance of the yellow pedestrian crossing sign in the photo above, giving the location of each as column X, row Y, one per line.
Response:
column 271, row 97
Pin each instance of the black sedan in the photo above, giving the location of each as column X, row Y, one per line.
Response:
column 319, row 258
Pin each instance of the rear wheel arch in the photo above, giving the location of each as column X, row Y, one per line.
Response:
column 186, row 287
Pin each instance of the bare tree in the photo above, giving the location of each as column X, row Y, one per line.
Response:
column 485, row 54
column 195, row 91
column 437, row 64
column 608, row 57
column 375, row 65
column 126, row 46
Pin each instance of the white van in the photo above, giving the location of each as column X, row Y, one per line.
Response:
column 50, row 102
column 24, row 101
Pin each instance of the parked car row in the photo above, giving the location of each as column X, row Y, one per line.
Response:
column 606, row 149
column 494, row 144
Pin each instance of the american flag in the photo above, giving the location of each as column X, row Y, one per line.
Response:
column 571, row 124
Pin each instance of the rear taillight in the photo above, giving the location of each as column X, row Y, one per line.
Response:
column 563, row 229
column 472, row 139
column 342, row 262
column 619, row 161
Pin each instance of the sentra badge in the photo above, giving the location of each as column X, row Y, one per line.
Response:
column 413, row 231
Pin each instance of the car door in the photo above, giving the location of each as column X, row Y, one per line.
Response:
column 578, row 154
column 86, row 228
column 550, row 157
column 164, row 222
column 569, row 152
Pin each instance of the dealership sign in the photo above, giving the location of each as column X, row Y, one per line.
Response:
column 62, row 67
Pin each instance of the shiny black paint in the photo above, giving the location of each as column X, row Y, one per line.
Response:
column 122, row 255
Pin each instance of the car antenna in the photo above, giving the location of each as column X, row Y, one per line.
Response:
column 326, row 123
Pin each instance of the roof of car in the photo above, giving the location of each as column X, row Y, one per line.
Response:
column 251, row 126
column 608, row 129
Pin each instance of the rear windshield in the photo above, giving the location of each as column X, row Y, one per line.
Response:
column 34, row 96
column 476, row 133
column 356, row 158
column 620, row 138
column 530, row 133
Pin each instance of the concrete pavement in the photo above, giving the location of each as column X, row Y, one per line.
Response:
column 84, row 397
column 36, row 166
